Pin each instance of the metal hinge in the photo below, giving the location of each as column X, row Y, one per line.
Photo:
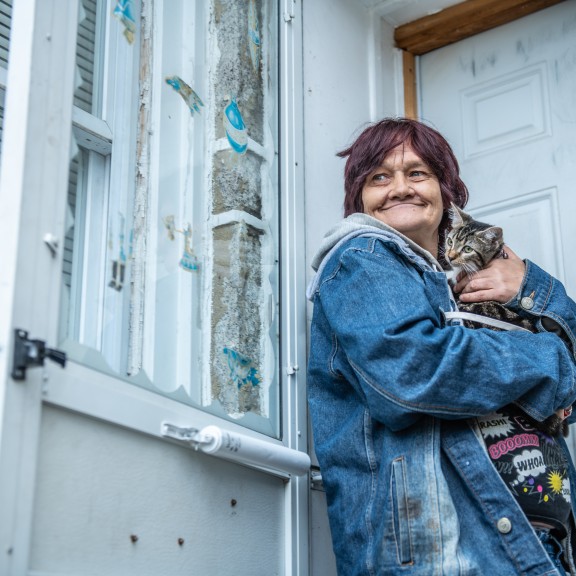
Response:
column 31, row 353
column 316, row 479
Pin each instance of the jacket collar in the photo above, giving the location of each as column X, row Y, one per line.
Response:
column 360, row 224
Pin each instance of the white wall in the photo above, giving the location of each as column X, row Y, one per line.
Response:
column 349, row 80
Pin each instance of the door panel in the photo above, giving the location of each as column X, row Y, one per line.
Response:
column 506, row 101
column 130, row 504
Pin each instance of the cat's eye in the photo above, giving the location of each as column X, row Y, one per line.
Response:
column 467, row 249
column 449, row 242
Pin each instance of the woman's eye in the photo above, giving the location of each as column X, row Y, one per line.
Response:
column 379, row 178
column 417, row 174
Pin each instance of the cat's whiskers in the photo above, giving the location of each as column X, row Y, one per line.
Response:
column 470, row 269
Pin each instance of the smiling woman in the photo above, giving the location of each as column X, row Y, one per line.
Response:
column 398, row 393
column 422, row 156
column 405, row 194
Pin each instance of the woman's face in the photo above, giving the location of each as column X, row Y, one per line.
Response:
column 405, row 194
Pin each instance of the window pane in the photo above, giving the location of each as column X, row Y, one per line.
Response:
column 5, row 18
column 2, row 93
column 172, row 276
column 5, row 22
column 87, row 47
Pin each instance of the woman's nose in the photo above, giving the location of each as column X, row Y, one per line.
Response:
column 401, row 186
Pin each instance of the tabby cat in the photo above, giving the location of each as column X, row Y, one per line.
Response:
column 469, row 246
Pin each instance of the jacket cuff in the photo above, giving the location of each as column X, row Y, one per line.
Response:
column 544, row 299
column 535, row 291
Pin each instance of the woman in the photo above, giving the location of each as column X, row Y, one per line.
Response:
column 396, row 393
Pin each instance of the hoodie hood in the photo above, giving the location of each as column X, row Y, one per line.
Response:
column 360, row 224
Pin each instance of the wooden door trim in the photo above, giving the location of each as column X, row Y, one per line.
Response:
column 451, row 25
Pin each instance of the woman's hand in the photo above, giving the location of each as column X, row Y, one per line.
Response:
column 499, row 281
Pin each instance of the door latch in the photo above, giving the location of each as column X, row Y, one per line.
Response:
column 30, row 353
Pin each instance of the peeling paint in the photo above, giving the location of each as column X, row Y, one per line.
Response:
column 119, row 262
column 142, row 192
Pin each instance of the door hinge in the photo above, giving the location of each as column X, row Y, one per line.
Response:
column 30, row 353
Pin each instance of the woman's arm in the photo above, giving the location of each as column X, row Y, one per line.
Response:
column 499, row 281
column 527, row 289
column 405, row 361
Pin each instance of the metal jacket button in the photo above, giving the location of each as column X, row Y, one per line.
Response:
column 504, row 525
column 527, row 303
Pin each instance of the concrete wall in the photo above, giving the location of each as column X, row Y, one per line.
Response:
column 240, row 78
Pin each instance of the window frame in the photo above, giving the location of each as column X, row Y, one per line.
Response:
column 134, row 406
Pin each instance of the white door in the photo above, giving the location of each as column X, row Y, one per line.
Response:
column 112, row 253
column 506, row 101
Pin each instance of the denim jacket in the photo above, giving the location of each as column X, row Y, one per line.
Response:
column 394, row 390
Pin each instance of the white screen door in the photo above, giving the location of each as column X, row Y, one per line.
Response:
column 110, row 229
column 506, row 101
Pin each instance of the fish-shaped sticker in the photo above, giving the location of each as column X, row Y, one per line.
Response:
column 235, row 128
column 192, row 99
column 124, row 12
column 242, row 370
column 254, row 34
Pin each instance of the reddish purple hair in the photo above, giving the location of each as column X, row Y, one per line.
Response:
column 368, row 151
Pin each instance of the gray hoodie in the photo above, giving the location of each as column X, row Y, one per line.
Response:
column 360, row 224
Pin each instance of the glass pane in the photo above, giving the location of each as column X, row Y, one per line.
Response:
column 87, row 49
column 2, row 94
column 171, row 278
column 5, row 19
column 5, row 22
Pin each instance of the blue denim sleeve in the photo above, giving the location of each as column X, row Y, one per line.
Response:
column 392, row 344
column 543, row 298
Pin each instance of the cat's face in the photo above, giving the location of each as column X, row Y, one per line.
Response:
column 471, row 244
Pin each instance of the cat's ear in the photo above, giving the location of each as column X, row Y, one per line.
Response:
column 457, row 216
column 493, row 233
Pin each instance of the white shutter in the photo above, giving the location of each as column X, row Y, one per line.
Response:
column 85, row 52
column 5, row 18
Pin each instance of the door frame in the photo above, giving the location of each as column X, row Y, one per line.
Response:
column 451, row 25
column 38, row 102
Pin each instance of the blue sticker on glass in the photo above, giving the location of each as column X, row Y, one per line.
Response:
column 124, row 12
column 254, row 34
column 242, row 370
column 235, row 128
column 192, row 99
